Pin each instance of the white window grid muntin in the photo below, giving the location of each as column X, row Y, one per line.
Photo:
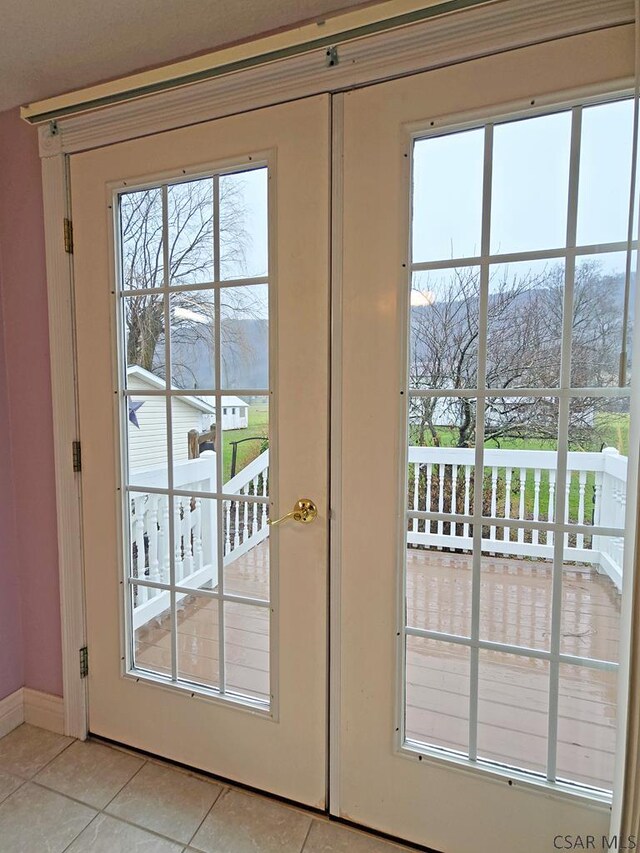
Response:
column 221, row 693
column 563, row 394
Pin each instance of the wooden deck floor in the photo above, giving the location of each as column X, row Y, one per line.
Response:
column 513, row 691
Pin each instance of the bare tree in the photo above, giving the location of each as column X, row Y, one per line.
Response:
column 189, row 259
column 524, row 335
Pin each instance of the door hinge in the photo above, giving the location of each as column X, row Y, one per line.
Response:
column 84, row 662
column 331, row 57
column 77, row 456
column 68, row 236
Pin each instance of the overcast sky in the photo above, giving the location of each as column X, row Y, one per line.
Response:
column 529, row 186
column 252, row 188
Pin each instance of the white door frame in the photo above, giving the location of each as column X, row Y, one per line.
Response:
column 487, row 29
column 59, row 266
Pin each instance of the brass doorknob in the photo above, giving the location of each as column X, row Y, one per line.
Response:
column 304, row 511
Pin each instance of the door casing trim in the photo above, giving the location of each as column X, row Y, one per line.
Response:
column 68, row 484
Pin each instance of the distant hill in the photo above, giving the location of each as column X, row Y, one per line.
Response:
column 244, row 356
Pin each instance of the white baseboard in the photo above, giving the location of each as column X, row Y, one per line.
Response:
column 11, row 712
column 44, row 710
column 34, row 707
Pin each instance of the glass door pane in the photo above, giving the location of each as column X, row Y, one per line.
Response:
column 518, row 428
column 194, row 353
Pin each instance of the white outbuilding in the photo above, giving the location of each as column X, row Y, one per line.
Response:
column 235, row 413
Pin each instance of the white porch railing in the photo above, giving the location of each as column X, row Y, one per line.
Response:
column 245, row 523
column 520, row 485
column 195, row 528
column 195, row 534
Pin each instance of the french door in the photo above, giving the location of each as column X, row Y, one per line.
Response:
column 202, row 282
column 485, row 410
column 481, row 372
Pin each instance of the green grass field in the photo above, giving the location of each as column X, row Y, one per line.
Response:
column 248, row 450
column 610, row 430
column 613, row 431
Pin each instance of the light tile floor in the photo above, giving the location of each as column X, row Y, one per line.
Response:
column 58, row 794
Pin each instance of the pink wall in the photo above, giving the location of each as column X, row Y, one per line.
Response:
column 11, row 652
column 29, row 563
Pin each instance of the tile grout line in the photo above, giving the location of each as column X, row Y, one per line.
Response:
column 32, row 780
column 223, row 789
column 22, row 781
column 75, row 838
column 103, row 810
column 142, row 828
column 82, row 802
column 122, row 787
column 121, row 820
column 99, row 812
column 186, row 845
column 40, row 769
column 306, row 838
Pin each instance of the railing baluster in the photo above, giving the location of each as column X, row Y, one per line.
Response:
column 197, row 534
column 566, row 507
column 536, row 503
column 494, row 501
column 177, row 531
column 521, row 509
column 582, row 485
column 467, row 491
column 166, row 556
column 263, row 514
column 416, row 483
column 138, row 538
column 551, row 506
column 227, row 527
column 440, row 496
column 620, row 539
column 236, row 524
column 598, row 542
column 454, row 494
column 508, row 474
column 597, row 502
column 152, row 538
column 187, row 554
column 254, row 509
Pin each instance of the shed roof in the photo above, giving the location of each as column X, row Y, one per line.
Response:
column 156, row 382
column 234, row 401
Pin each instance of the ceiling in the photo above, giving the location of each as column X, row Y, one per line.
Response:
column 52, row 46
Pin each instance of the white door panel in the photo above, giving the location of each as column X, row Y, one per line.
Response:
column 427, row 757
column 248, row 715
